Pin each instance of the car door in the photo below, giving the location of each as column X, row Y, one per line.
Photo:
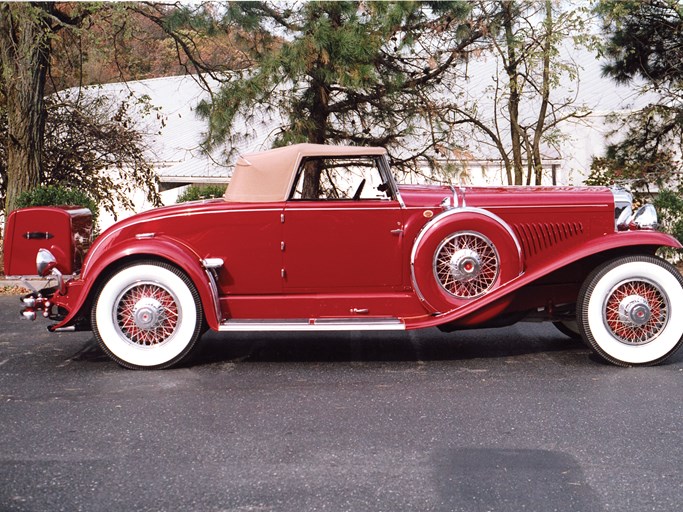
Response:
column 345, row 234
column 247, row 239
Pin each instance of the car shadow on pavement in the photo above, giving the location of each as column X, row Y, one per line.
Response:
column 429, row 345
column 424, row 345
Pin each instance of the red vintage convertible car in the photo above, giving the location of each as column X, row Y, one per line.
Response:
column 311, row 237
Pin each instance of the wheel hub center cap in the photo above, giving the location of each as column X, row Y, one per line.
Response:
column 635, row 310
column 465, row 265
column 148, row 313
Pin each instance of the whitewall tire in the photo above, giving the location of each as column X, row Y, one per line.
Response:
column 147, row 315
column 630, row 310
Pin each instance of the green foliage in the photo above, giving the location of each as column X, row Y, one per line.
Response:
column 49, row 195
column 199, row 192
column 392, row 74
column 645, row 41
column 669, row 204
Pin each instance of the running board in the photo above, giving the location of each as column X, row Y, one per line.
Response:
column 314, row 324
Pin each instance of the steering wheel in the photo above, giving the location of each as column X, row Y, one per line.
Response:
column 359, row 190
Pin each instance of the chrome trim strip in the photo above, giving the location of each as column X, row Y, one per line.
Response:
column 532, row 207
column 419, row 293
column 455, row 203
column 214, row 292
column 386, row 169
column 293, row 206
column 399, row 198
column 350, row 324
column 144, row 236
column 61, row 285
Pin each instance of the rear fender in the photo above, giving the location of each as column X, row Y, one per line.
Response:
column 163, row 248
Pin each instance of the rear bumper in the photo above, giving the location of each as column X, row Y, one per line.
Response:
column 55, row 303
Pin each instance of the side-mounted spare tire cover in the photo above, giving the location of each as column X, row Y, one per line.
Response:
column 462, row 254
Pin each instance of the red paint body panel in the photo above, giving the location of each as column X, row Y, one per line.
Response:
column 159, row 247
column 323, row 305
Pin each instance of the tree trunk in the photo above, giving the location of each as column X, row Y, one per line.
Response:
column 545, row 93
column 317, row 134
column 513, row 85
column 25, row 57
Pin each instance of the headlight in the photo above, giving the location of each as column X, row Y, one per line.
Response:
column 645, row 218
column 623, row 204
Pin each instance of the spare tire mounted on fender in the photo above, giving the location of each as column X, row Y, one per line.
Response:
column 457, row 257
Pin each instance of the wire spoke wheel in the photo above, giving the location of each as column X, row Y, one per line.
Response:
column 636, row 312
column 466, row 265
column 147, row 314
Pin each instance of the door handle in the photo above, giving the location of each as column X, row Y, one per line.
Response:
column 397, row 232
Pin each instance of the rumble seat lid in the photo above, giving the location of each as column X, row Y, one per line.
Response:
column 268, row 176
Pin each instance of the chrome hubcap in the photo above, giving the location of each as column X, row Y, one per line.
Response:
column 148, row 313
column 634, row 309
column 465, row 265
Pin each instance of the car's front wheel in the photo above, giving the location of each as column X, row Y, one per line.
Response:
column 630, row 310
column 147, row 315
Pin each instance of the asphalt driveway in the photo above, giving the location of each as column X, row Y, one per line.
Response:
column 514, row 419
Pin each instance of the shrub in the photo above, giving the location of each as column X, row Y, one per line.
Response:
column 198, row 192
column 57, row 196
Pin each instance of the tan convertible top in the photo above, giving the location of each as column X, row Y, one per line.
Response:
column 268, row 176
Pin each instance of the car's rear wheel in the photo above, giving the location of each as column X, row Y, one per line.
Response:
column 630, row 310
column 147, row 315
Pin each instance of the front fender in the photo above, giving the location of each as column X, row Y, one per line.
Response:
column 159, row 247
column 648, row 241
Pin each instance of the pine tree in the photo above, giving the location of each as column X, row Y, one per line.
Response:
column 352, row 72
